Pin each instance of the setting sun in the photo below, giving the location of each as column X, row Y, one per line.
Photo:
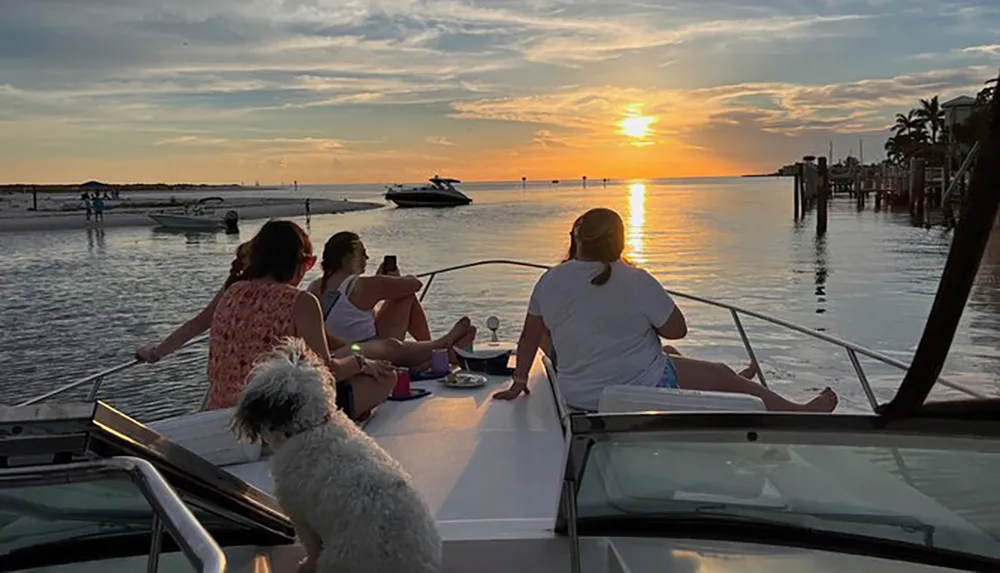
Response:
column 637, row 126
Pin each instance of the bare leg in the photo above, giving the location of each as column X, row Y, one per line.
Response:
column 412, row 353
column 714, row 377
column 370, row 392
column 392, row 319
column 397, row 317
column 750, row 372
column 417, row 326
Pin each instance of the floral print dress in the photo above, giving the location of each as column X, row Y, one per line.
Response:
column 252, row 317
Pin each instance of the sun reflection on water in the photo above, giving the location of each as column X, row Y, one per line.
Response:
column 636, row 221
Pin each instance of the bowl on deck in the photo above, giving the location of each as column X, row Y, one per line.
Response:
column 489, row 358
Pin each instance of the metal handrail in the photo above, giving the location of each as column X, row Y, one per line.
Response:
column 852, row 349
column 961, row 172
column 96, row 379
column 169, row 511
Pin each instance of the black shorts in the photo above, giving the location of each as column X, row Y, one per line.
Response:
column 345, row 398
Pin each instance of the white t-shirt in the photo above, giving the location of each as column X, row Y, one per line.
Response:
column 603, row 335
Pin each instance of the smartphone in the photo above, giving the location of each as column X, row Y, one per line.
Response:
column 389, row 264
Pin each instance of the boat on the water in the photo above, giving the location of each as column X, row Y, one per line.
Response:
column 440, row 193
column 198, row 215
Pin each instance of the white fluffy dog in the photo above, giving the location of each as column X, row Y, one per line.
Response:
column 352, row 505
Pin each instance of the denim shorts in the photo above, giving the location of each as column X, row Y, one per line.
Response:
column 669, row 377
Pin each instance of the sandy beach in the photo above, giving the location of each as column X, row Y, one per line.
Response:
column 65, row 211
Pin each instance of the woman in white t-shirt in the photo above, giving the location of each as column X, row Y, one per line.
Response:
column 605, row 318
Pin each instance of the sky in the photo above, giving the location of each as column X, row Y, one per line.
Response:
column 329, row 91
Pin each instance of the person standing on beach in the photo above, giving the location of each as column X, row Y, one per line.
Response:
column 98, row 208
column 308, row 212
column 86, row 204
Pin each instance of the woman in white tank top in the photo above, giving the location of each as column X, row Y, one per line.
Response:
column 377, row 310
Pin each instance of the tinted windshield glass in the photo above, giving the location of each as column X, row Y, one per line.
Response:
column 91, row 506
column 932, row 498
column 47, row 514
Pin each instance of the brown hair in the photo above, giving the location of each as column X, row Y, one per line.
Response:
column 598, row 235
column 240, row 264
column 277, row 251
column 337, row 247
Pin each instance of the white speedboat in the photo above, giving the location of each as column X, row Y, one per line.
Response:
column 199, row 215
column 664, row 480
column 440, row 193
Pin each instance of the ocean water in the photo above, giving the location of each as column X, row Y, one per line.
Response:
column 76, row 302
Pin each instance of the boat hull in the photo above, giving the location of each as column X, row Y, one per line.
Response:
column 412, row 199
column 188, row 222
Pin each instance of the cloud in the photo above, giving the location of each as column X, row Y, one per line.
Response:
column 988, row 49
column 438, row 140
column 592, row 113
column 274, row 144
column 608, row 39
column 299, row 84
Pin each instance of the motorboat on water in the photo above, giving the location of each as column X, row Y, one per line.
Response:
column 198, row 215
column 440, row 193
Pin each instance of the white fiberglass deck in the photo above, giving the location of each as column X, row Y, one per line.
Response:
column 489, row 469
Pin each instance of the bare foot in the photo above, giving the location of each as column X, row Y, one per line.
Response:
column 463, row 342
column 825, row 402
column 750, row 372
column 460, row 329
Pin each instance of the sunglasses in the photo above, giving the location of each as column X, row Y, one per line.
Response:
column 309, row 261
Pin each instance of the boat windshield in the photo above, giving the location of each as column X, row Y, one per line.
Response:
column 96, row 510
column 833, row 483
column 82, row 481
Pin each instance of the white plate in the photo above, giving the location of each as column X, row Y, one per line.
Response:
column 465, row 380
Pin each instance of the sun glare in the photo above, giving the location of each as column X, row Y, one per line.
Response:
column 636, row 126
column 636, row 221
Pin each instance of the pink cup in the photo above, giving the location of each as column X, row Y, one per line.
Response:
column 402, row 388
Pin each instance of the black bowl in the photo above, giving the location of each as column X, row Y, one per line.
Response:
column 489, row 363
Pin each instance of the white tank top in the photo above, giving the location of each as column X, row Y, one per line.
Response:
column 346, row 321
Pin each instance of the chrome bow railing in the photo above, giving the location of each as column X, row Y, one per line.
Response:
column 737, row 313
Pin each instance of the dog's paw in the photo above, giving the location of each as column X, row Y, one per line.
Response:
column 307, row 565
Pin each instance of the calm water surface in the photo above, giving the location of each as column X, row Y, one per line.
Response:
column 79, row 301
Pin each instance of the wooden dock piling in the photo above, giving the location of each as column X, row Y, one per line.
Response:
column 917, row 199
column 797, row 191
column 823, row 194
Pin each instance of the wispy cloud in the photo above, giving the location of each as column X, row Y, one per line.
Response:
column 988, row 49
column 329, row 87
column 438, row 140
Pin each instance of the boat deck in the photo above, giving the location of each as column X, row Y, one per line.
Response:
column 488, row 469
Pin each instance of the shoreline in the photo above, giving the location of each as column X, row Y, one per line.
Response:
column 65, row 215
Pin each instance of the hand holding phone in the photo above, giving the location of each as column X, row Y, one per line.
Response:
column 389, row 265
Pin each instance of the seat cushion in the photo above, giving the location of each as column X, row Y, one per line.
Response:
column 208, row 435
column 625, row 399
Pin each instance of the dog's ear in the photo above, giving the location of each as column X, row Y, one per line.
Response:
column 262, row 410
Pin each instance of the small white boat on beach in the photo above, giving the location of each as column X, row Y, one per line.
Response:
column 656, row 480
column 199, row 215
column 440, row 193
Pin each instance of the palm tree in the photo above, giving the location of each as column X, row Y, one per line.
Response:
column 932, row 116
column 906, row 123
